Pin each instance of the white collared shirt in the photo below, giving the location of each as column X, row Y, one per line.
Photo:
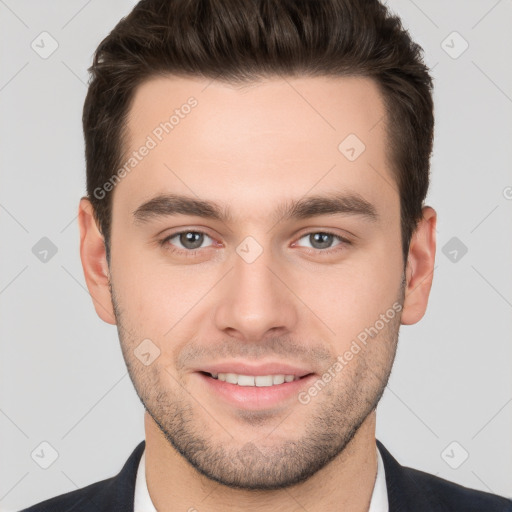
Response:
column 143, row 503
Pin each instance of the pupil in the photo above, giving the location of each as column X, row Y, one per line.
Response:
column 322, row 239
column 191, row 239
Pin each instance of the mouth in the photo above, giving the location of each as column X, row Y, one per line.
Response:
column 255, row 380
column 272, row 391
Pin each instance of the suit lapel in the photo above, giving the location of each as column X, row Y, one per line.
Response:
column 405, row 492
column 118, row 494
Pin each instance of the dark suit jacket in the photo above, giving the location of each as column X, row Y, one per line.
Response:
column 408, row 490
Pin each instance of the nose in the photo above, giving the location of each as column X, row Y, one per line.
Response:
column 255, row 301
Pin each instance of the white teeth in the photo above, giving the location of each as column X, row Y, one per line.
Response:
column 277, row 379
column 231, row 378
column 252, row 380
column 262, row 381
column 244, row 380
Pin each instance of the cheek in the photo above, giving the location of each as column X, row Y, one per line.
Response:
column 157, row 297
column 352, row 296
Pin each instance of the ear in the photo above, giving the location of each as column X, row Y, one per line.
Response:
column 94, row 262
column 420, row 268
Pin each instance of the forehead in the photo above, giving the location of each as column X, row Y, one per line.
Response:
column 258, row 143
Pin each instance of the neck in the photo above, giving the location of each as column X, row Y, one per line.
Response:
column 346, row 483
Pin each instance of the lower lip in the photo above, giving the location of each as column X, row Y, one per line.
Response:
column 255, row 397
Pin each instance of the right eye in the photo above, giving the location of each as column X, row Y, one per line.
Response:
column 190, row 240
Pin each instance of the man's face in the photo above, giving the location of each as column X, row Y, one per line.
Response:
column 258, row 287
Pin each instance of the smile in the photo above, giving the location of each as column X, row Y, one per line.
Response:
column 254, row 380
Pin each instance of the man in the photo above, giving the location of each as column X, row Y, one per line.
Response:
column 255, row 229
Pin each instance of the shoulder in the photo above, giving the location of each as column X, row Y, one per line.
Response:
column 114, row 493
column 412, row 489
column 456, row 497
column 79, row 500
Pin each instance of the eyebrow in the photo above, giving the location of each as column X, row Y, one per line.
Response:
column 165, row 205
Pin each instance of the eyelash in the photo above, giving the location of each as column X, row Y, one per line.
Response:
column 191, row 253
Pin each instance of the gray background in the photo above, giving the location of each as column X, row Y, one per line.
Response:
column 63, row 379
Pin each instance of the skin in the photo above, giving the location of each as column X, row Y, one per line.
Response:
column 251, row 148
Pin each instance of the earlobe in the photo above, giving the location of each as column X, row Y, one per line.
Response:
column 420, row 268
column 94, row 262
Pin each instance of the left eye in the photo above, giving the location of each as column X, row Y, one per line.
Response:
column 322, row 240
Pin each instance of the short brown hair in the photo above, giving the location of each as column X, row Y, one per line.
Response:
column 241, row 41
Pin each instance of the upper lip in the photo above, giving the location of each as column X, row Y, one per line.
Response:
column 251, row 369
